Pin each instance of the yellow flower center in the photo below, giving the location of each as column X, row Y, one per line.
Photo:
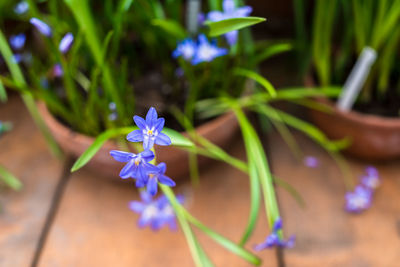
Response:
column 137, row 162
column 151, row 175
column 150, row 132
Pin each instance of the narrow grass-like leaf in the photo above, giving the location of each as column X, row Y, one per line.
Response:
column 258, row 78
column 199, row 256
column 217, row 28
column 274, row 50
column 3, row 93
column 229, row 245
column 171, row 27
column 9, row 179
column 255, row 198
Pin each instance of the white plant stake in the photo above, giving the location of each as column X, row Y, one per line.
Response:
column 356, row 79
column 192, row 16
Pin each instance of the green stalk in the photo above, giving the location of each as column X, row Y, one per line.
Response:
column 199, row 256
column 27, row 97
column 82, row 14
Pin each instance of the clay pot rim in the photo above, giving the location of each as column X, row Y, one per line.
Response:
column 53, row 123
column 355, row 116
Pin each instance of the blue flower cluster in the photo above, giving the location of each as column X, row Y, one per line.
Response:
column 274, row 240
column 155, row 213
column 361, row 198
column 200, row 51
column 138, row 166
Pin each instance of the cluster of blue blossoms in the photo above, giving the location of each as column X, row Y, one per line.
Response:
column 202, row 50
column 361, row 198
column 159, row 212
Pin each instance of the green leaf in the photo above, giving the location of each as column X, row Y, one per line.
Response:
column 3, row 93
column 258, row 78
column 9, row 179
column 229, row 245
column 177, row 139
column 199, row 256
column 217, row 28
column 273, row 50
column 171, row 27
column 255, row 198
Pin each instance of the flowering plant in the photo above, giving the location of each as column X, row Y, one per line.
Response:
column 90, row 58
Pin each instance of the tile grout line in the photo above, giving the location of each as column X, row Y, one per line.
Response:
column 55, row 202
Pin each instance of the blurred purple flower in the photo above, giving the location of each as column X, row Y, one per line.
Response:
column 17, row 41
column 113, row 116
column 311, row 162
column 66, row 43
column 186, row 49
column 359, row 200
column 21, row 7
column 149, row 130
column 371, row 180
column 137, row 165
column 112, row 106
column 229, row 12
column 155, row 177
column 206, row 51
column 42, row 27
column 154, row 213
column 57, row 71
column 274, row 240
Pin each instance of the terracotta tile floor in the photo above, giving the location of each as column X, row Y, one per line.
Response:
column 83, row 220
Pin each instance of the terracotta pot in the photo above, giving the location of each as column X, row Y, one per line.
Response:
column 220, row 131
column 372, row 137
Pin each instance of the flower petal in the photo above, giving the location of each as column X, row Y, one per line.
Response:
column 147, row 155
column 163, row 140
column 136, row 206
column 151, row 117
column 127, row 170
column 166, row 180
column 215, row 16
column 277, row 224
column 159, row 125
column 140, row 122
column 231, row 37
column 162, row 167
column 243, row 11
column 135, row 136
column 152, row 186
column 228, row 6
column 66, row 43
column 121, row 156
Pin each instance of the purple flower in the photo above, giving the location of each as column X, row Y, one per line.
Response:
column 229, row 12
column 21, row 7
column 311, row 162
column 359, row 200
column 137, row 165
column 17, row 41
column 149, row 130
column 57, row 71
column 158, row 176
column 371, row 180
column 17, row 58
column 206, row 51
column 42, row 27
column 155, row 213
column 186, row 49
column 274, row 240
column 113, row 116
column 66, row 43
